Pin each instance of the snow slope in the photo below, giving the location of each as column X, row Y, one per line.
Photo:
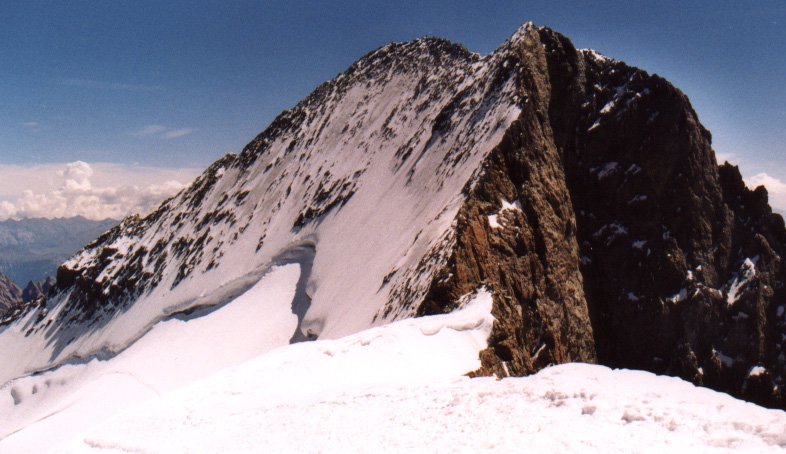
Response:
column 369, row 171
column 397, row 387
column 44, row 410
column 53, row 405
column 400, row 388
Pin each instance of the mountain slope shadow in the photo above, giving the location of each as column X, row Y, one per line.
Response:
column 303, row 255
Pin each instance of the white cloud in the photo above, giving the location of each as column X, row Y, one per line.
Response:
column 175, row 133
column 162, row 132
column 150, row 130
column 103, row 85
column 95, row 191
column 32, row 126
column 775, row 188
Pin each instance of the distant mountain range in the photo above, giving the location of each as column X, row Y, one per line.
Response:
column 32, row 249
column 12, row 294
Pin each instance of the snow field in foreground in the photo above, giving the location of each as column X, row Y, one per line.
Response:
column 568, row 408
column 39, row 411
column 387, row 389
column 407, row 353
column 400, row 387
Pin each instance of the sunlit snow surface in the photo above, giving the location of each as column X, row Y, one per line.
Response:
column 44, row 409
column 370, row 172
column 568, row 408
column 391, row 388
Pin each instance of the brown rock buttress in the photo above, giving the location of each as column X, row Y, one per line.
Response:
column 631, row 247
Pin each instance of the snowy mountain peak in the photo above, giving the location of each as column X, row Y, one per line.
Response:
column 525, row 32
column 345, row 171
column 581, row 192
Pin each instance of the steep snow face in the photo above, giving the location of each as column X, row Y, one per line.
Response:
column 368, row 172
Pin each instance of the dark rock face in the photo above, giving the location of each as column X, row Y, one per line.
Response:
column 680, row 262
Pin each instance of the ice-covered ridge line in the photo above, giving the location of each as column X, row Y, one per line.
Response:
column 520, row 34
column 596, row 55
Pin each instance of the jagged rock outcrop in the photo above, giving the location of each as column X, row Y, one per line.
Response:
column 526, row 251
column 36, row 289
column 679, row 262
column 582, row 192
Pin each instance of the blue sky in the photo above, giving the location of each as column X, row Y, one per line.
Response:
column 177, row 84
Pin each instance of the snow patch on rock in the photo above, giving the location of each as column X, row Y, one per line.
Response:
column 506, row 206
column 740, row 280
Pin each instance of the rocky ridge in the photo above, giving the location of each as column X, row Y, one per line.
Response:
column 582, row 192
column 13, row 298
column 680, row 262
column 36, row 289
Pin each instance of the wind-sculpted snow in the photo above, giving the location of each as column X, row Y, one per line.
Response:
column 566, row 408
